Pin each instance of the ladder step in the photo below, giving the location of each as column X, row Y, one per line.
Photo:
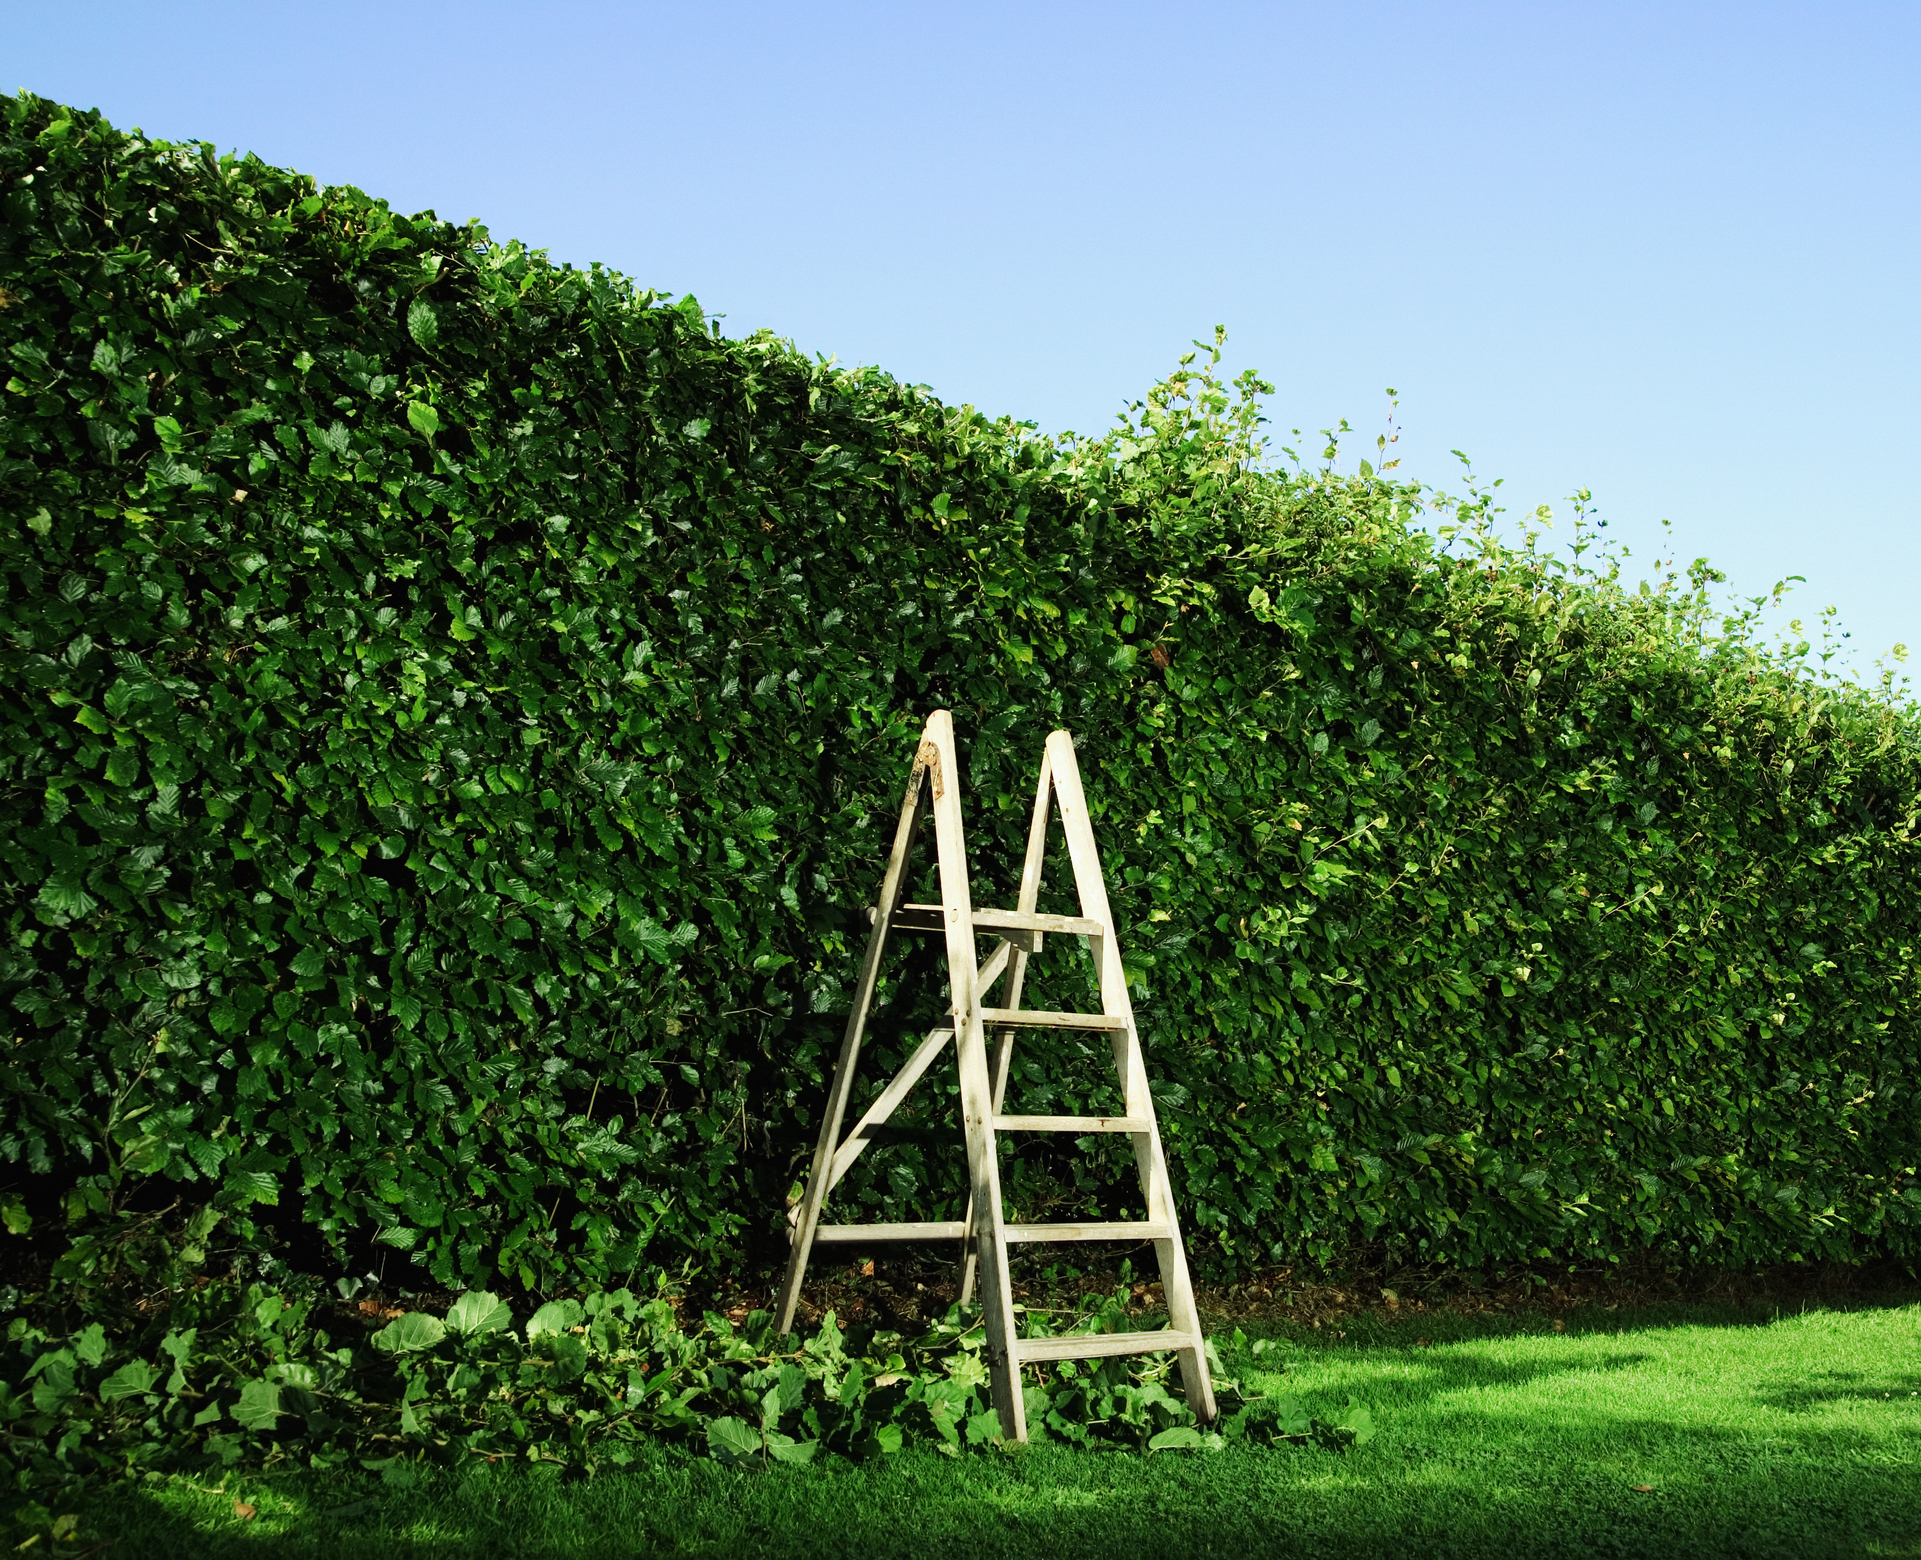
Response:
column 1043, row 1018
column 1072, row 1124
column 954, row 1229
column 851, row 1234
column 933, row 918
column 1129, row 1229
column 1090, row 1346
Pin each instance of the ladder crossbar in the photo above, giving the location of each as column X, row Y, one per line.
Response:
column 853, row 1234
column 888, row 1103
column 931, row 918
column 1046, row 1018
column 1094, row 1346
column 1118, row 1229
column 1081, row 1124
column 1016, row 1234
column 983, row 1039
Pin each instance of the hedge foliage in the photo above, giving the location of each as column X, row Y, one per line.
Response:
column 248, row 1375
column 455, row 705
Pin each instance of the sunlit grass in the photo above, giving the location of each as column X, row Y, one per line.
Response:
column 1679, row 1433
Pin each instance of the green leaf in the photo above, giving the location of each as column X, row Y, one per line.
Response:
column 569, row 1356
column 734, row 1442
column 1175, row 1438
column 259, row 1405
column 423, row 324
column 422, row 417
column 133, row 1379
column 786, row 1449
column 478, row 1312
column 63, row 896
column 1358, row 1421
column 90, row 1344
column 410, row 1333
column 984, row 1427
column 556, row 1316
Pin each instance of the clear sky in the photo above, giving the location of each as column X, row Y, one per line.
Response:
column 1665, row 252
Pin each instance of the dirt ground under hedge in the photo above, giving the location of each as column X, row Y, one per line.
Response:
column 904, row 1291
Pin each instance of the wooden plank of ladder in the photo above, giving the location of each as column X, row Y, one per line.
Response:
column 1014, row 1234
column 1029, row 896
column 1176, row 1285
column 1094, row 1346
column 983, row 1089
column 976, row 1087
column 892, row 891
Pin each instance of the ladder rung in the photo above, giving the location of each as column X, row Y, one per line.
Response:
column 953, row 1229
column 1089, row 1346
column 933, row 918
column 850, row 1234
column 1044, row 1018
column 1130, row 1229
column 1072, row 1124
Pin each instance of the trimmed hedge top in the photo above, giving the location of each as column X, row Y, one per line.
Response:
column 454, row 706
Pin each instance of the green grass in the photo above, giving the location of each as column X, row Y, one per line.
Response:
column 1798, row 1436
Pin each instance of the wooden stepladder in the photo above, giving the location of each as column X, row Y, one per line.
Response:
column 935, row 784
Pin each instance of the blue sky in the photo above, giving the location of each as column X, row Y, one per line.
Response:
column 1663, row 252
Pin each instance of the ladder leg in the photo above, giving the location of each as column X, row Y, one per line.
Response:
column 1149, row 1159
column 976, row 1088
column 1030, row 894
column 820, row 1177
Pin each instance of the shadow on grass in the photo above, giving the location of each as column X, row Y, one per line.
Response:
column 1459, row 1469
column 1716, row 1496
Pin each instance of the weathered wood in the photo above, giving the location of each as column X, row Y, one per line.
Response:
column 1072, row 1124
column 892, row 890
column 888, row 1102
column 976, row 1088
column 983, row 1081
column 1028, row 897
column 1118, row 1229
column 854, row 1234
column 1046, row 1018
column 1094, row 1346
column 927, row 918
column 1150, row 1162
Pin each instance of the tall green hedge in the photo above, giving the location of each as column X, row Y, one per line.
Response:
column 454, row 707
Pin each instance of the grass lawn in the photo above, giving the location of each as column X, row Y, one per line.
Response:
column 1797, row 1436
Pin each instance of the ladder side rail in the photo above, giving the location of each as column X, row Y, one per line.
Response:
column 1150, row 1160
column 976, row 1088
column 1029, row 897
column 892, row 892
column 1030, row 893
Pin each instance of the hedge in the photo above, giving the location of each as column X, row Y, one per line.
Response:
column 454, row 706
